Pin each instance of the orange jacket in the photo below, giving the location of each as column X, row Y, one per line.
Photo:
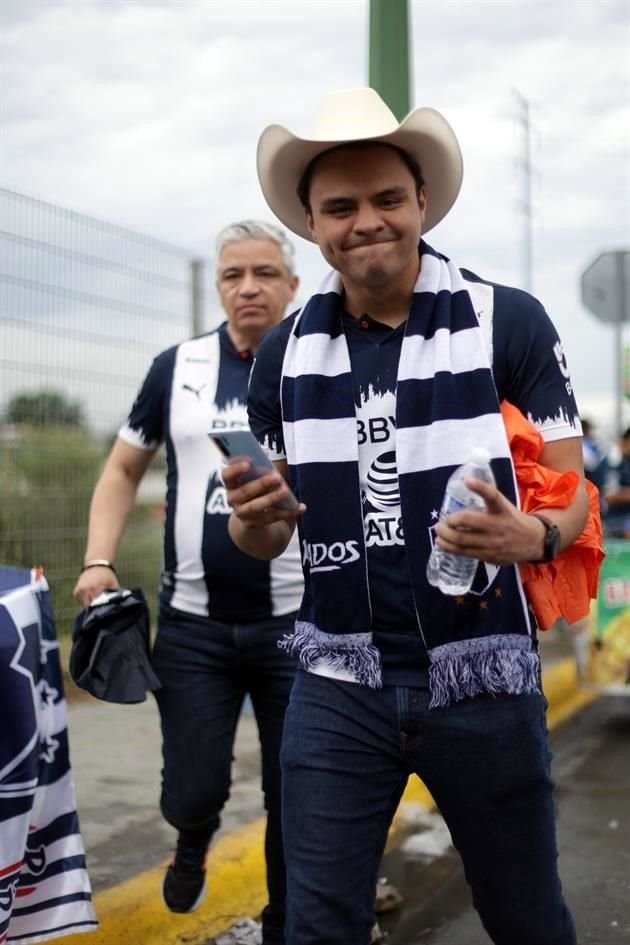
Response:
column 563, row 587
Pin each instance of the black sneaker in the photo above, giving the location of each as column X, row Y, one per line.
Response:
column 184, row 886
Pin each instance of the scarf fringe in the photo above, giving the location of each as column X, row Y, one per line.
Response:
column 457, row 677
column 354, row 652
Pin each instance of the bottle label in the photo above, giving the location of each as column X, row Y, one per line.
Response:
column 451, row 505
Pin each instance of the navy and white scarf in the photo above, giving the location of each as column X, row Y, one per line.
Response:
column 446, row 404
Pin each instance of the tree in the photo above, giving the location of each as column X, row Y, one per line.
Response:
column 43, row 408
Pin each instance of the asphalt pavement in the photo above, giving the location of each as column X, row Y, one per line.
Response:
column 116, row 761
column 592, row 771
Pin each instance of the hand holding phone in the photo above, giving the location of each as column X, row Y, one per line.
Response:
column 242, row 444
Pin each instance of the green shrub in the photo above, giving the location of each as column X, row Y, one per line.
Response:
column 47, row 475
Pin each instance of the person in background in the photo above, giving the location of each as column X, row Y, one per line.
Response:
column 366, row 401
column 595, row 459
column 596, row 467
column 221, row 613
column 617, row 493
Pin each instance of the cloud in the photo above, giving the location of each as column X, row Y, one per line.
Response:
column 148, row 113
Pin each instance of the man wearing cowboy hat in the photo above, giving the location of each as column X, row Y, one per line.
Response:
column 367, row 400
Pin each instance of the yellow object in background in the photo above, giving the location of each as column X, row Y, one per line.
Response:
column 608, row 666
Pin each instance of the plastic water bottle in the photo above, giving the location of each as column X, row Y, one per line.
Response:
column 453, row 574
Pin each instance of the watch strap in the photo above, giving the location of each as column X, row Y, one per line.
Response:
column 551, row 545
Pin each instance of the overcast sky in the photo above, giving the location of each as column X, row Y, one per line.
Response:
column 146, row 113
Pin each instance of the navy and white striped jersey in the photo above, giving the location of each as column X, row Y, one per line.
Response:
column 191, row 390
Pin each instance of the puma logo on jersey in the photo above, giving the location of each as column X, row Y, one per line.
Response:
column 194, row 390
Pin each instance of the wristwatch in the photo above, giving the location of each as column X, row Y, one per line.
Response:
column 551, row 546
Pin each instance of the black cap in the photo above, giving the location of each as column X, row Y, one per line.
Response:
column 110, row 655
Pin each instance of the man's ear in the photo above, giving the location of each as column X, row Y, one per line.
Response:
column 293, row 285
column 422, row 201
column 310, row 223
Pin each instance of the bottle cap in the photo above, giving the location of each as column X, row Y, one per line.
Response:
column 480, row 456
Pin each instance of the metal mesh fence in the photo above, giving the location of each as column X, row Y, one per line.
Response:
column 84, row 307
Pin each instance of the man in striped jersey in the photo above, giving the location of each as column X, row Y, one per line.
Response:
column 221, row 612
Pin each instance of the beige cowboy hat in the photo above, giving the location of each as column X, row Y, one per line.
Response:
column 360, row 115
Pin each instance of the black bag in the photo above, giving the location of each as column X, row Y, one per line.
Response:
column 110, row 655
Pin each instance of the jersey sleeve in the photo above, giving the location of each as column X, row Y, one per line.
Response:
column 532, row 368
column 263, row 398
column 145, row 425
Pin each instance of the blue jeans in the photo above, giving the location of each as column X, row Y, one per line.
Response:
column 206, row 668
column 346, row 755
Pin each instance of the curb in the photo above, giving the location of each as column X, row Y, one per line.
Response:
column 561, row 687
column 133, row 911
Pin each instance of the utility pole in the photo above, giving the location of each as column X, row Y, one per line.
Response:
column 389, row 53
column 196, row 296
column 526, row 164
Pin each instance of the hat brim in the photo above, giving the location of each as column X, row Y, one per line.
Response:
column 425, row 134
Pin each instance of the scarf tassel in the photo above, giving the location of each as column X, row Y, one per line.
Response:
column 512, row 671
column 354, row 653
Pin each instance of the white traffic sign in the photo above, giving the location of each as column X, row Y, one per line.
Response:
column 606, row 286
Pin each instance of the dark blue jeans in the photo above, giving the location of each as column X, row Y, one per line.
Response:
column 346, row 755
column 206, row 668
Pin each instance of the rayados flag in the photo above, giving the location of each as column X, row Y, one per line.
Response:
column 44, row 886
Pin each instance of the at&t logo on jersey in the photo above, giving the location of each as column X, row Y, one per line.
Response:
column 216, row 501
column 383, row 525
column 329, row 557
column 383, row 530
column 382, row 482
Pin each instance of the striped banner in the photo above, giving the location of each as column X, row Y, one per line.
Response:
column 44, row 886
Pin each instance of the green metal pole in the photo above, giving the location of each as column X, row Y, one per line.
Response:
column 389, row 53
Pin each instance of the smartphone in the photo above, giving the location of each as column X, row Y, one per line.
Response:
column 237, row 444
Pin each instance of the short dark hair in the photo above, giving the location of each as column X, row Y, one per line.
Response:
column 304, row 184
